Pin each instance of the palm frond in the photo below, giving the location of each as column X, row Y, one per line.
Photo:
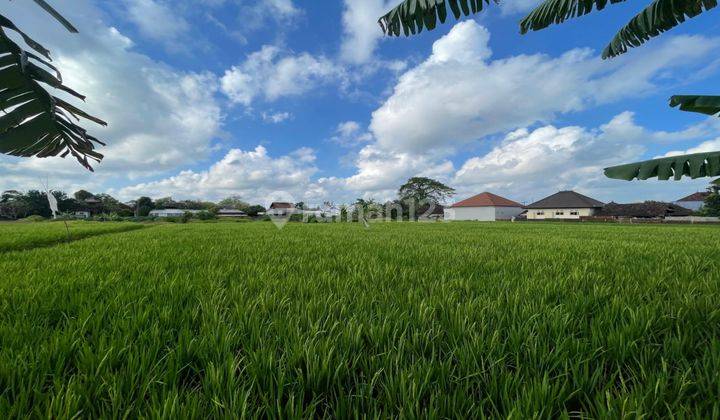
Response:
column 411, row 16
column 704, row 104
column 658, row 17
column 34, row 122
column 56, row 15
column 695, row 165
column 558, row 11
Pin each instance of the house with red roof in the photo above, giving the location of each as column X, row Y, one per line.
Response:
column 486, row 207
column 693, row 201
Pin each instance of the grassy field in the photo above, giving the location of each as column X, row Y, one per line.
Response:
column 412, row 320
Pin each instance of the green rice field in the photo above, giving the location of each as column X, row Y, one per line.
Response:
column 410, row 320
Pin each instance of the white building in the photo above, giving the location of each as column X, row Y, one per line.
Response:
column 281, row 209
column 486, row 207
column 230, row 214
column 563, row 205
column 171, row 213
column 693, row 202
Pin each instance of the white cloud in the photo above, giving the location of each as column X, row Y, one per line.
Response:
column 254, row 175
column 156, row 20
column 361, row 32
column 350, row 133
column 271, row 73
column 459, row 94
column 158, row 117
column 706, row 146
column 276, row 117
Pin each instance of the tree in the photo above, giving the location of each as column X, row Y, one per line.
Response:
column 165, row 203
column 12, row 205
column 38, row 123
column 143, row 206
column 712, row 201
column 254, row 210
column 411, row 16
column 300, row 205
column 234, row 202
column 83, row 195
column 418, row 194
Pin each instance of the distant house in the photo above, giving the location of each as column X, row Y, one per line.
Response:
column 563, row 205
column 171, row 212
column 694, row 201
column 231, row 214
column 646, row 210
column 486, row 207
column 281, row 209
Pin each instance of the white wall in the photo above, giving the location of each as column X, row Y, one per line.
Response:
column 544, row 214
column 690, row 205
column 485, row 214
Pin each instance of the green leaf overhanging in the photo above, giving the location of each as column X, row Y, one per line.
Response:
column 558, row 11
column 658, row 17
column 704, row 104
column 33, row 122
column 695, row 165
column 411, row 16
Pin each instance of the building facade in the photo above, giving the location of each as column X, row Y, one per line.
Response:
column 486, row 207
column 564, row 205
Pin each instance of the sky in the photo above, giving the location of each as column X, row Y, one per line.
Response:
column 308, row 101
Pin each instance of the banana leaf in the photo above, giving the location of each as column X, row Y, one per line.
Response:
column 696, row 165
column 411, row 16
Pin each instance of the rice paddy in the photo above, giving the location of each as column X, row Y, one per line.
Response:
column 433, row 320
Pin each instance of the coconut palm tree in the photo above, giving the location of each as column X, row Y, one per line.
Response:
column 35, row 122
column 412, row 16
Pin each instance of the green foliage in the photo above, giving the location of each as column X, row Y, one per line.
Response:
column 253, row 211
column 411, row 16
column 234, row 202
column 460, row 320
column 658, row 17
column 36, row 123
column 704, row 104
column 143, row 206
column 23, row 236
column 695, row 166
column 711, row 208
column 419, row 194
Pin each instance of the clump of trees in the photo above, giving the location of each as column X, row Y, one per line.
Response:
column 19, row 205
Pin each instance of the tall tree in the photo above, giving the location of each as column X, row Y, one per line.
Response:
column 418, row 194
column 411, row 16
column 35, row 122
column 234, row 202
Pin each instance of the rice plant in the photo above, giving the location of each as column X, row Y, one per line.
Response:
column 409, row 320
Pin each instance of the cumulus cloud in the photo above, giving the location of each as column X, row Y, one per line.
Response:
column 158, row 117
column 361, row 33
column 156, row 20
column 252, row 174
column 460, row 94
column 272, row 73
column 350, row 133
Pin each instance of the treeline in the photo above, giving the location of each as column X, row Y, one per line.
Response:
column 19, row 205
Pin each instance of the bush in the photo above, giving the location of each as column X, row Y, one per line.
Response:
column 206, row 215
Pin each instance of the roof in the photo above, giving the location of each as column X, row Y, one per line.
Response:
column 566, row 200
column 486, row 199
column 698, row 196
column 650, row 209
column 280, row 205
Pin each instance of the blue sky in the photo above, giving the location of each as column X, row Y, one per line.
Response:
column 307, row 100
